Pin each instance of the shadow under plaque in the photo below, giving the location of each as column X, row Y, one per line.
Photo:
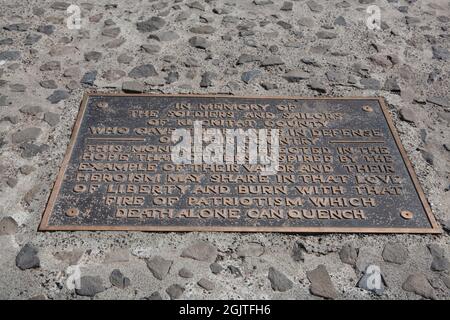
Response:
column 341, row 167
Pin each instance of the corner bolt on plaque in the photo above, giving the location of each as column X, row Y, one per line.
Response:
column 222, row 163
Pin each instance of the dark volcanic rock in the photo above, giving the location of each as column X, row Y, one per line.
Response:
column 348, row 254
column 132, row 87
column 200, row 250
column 46, row 29
column 407, row 115
column 395, row 253
column 419, row 284
column 90, row 286
column 279, row 281
column 32, row 39
column 10, row 55
column 440, row 262
column 118, row 279
column 89, row 78
column 92, row 56
column 58, row 95
column 143, row 71
column 30, row 150
column 8, row 226
column 26, row 135
column 321, row 284
column 175, row 291
column 215, row 268
column 185, row 273
column 298, row 252
column 250, row 75
column 17, row 27
column 159, row 266
column 206, row 284
column 27, row 258
column 207, row 79
column 272, row 61
column 150, row 25
column 440, row 53
column 199, row 42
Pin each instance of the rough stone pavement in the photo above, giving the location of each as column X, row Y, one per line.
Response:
column 260, row 47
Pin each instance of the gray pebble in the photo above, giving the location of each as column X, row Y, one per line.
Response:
column 296, row 75
column 111, row 32
column 272, row 61
column 250, row 75
column 27, row 258
column 201, row 251
column 395, row 252
column 207, row 79
column 31, row 110
column 32, row 39
column 10, row 55
column 151, row 48
column 46, row 29
column 206, row 284
column 159, row 266
column 321, row 284
column 118, row 280
column 51, row 66
column 26, row 135
column 419, row 284
column 88, row 78
column 150, row 25
column 279, row 281
column 8, row 226
column 48, row 84
column 51, row 118
column 199, row 42
column 348, row 254
column 92, row 56
column 215, row 268
column 143, row 71
column 90, row 286
column 175, row 291
column 132, row 87
column 185, row 273
column 57, row 96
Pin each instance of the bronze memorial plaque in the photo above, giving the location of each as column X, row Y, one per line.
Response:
column 223, row 163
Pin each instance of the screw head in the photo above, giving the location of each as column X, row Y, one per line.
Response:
column 406, row 214
column 102, row 105
column 72, row 212
column 367, row 108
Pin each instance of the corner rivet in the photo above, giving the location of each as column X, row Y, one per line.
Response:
column 72, row 212
column 406, row 214
column 367, row 108
column 102, row 105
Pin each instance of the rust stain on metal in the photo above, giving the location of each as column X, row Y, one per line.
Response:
column 342, row 169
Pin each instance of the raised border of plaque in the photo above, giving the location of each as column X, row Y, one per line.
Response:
column 46, row 226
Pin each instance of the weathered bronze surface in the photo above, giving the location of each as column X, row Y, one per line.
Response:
column 342, row 169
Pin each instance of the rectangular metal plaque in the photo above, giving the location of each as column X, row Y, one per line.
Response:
column 341, row 167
